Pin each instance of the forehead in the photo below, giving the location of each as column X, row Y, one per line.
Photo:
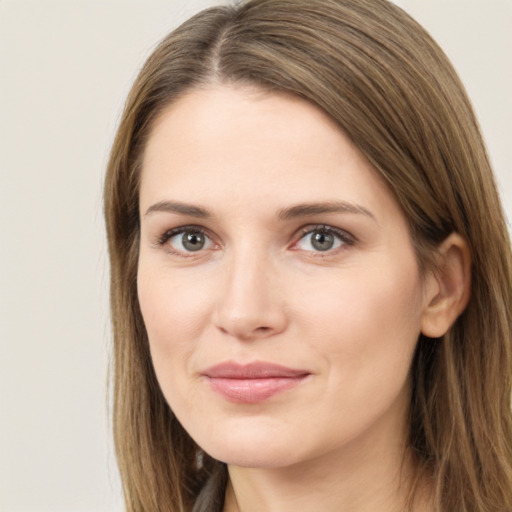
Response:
column 239, row 144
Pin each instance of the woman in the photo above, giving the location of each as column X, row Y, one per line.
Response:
column 311, row 277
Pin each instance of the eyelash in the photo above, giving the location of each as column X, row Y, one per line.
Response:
column 176, row 231
column 162, row 240
column 344, row 237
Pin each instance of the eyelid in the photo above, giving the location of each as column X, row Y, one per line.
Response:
column 162, row 239
column 347, row 238
column 166, row 235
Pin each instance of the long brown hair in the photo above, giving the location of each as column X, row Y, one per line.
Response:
column 391, row 89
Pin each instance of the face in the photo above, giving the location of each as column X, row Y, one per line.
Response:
column 277, row 280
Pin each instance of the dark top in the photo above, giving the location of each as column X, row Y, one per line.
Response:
column 211, row 497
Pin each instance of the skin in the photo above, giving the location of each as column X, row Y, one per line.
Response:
column 259, row 290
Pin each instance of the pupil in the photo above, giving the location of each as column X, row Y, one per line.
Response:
column 322, row 241
column 193, row 241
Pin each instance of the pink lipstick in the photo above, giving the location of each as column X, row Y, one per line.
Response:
column 252, row 383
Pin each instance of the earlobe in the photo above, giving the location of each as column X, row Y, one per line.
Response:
column 448, row 288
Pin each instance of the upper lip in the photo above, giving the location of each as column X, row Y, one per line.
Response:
column 255, row 370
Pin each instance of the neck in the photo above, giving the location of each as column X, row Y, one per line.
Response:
column 311, row 489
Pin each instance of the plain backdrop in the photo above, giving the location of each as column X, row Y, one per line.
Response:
column 65, row 69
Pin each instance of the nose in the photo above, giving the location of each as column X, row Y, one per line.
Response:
column 251, row 303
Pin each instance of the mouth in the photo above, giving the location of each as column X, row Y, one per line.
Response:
column 254, row 382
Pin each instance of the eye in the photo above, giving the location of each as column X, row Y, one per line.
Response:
column 187, row 240
column 323, row 239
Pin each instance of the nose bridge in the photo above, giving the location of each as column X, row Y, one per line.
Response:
column 250, row 304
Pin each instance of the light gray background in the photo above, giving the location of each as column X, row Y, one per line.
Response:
column 65, row 68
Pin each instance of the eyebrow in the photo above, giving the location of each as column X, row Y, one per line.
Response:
column 299, row 210
column 179, row 208
column 310, row 209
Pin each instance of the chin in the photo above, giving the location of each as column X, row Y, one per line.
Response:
column 254, row 451
column 253, row 458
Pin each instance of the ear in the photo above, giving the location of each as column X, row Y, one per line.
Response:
column 448, row 287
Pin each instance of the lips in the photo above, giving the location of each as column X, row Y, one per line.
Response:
column 252, row 383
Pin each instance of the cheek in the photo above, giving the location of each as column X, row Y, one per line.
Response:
column 363, row 328
column 365, row 322
column 175, row 313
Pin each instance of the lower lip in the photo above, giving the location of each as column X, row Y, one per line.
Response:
column 251, row 391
